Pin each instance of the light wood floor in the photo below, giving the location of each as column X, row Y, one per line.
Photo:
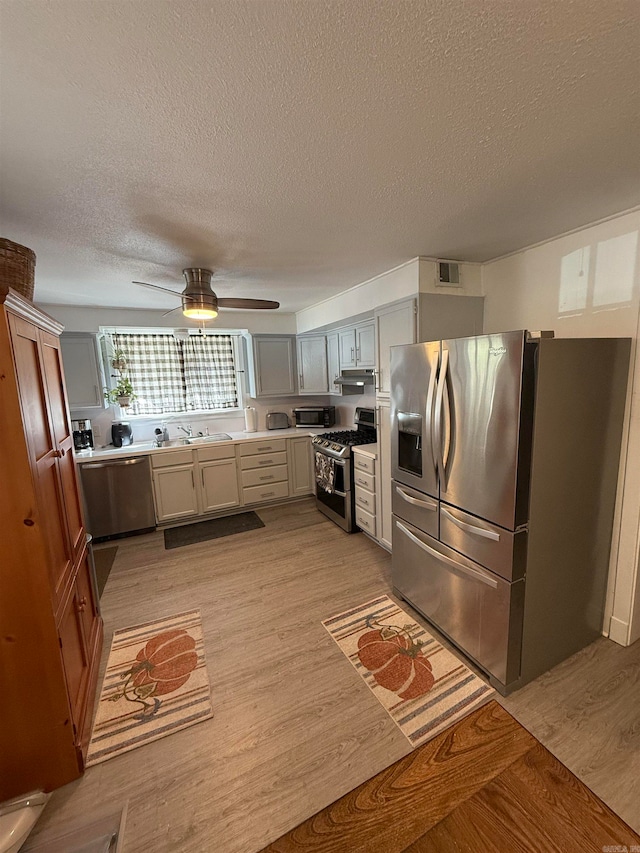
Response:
column 294, row 728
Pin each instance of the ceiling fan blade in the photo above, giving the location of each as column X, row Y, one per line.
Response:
column 157, row 287
column 247, row 303
column 177, row 308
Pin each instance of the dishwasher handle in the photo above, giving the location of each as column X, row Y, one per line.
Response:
column 135, row 461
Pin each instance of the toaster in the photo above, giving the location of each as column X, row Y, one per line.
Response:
column 277, row 420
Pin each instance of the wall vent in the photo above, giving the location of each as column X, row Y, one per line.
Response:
column 448, row 274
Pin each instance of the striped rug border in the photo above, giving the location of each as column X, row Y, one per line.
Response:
column 176, row 713
column 456, row 693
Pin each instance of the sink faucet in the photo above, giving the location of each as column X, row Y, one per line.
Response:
column 188, row 430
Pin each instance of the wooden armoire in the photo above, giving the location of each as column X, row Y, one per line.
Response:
column 50, row 627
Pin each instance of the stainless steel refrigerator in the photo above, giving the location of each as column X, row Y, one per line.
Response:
column 505, row 452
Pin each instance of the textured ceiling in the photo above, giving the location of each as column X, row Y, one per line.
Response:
column 302, row 146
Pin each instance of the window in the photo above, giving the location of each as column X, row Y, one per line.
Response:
column 172, row 373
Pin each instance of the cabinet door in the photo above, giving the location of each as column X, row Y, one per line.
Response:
column 74, row 645
column 43, row 453
column 365, row 345
column 175, row 492
column 347, row 340
column 63, row 439
column 333, row 363
column 274, row 365
column 219, row 484
column 300, row 471
column 312, row 365
column 394, row 325
column 383, row 480
column 81, row 370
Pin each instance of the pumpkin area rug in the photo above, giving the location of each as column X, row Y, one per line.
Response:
column 423, row 687
column 155, row 684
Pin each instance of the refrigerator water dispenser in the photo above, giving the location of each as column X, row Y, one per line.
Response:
column 410, row 442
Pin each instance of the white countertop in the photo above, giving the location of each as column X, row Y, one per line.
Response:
column 366, row 450
column 144, row 448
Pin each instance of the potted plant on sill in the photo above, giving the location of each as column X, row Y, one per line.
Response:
column 123, row 393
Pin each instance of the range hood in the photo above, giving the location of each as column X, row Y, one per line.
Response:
column 355, row 381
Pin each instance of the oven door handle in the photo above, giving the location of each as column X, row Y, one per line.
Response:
column 339, row 462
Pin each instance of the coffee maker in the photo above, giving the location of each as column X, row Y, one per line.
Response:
column 82, row 434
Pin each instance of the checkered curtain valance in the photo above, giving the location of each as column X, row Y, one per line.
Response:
column 209, row 372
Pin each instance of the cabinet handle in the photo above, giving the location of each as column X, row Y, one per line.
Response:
column 357, row 353
column 361, row 482
column 265, row 449
column 301, row 383
column 58, row 453
column 378, row 376
column 202, row 476
column 352, row 351
column 82, row 603
column 268, row 477
column 193, row 479
column 267, row 494
column 265, row 462
column 364, row 501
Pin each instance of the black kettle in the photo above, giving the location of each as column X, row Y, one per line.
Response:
column 121, row 434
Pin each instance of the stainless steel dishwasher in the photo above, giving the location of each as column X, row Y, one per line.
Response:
column 118, row 496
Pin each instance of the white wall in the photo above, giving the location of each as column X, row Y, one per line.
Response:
column 587, row 284
column 415, row 276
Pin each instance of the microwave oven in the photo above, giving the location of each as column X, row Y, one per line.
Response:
column 315, row 416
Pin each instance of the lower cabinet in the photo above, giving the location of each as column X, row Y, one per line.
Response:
column 193, row 482
column 364, row 476
column 264, row 470
column 80, row 635
column 301, row 476
column 174, row 489
column 219, row 484
column 189, row 483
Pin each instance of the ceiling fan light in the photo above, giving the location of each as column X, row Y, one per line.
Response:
column 203, row 313
column 201, row 307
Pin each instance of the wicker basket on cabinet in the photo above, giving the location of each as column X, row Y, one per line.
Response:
column 17, row 267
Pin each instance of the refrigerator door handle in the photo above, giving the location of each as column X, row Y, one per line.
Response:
column 430, row 505
column 429, row 420
column 442, row 378
column 465, row 570
column 471, row 528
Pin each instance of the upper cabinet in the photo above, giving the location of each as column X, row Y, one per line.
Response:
column 312, row 365
column 82, row 370
column 357, row 346
column 271, row 367
column 395, row 324
column 333, row 362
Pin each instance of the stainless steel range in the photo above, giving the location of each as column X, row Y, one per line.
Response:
column 335, row 493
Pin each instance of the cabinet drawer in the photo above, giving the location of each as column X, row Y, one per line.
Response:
column 260, row 494
column 250, row 448
column 209, row 454
column 259, row 476
column 364, row 463
column 365, row 520
column 365, row 499
column 367, row 481
column 171, row 457
column 265, row 461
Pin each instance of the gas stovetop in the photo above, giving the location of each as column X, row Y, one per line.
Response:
column 340, row 442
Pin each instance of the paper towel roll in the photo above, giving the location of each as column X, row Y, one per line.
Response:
column 250, row 419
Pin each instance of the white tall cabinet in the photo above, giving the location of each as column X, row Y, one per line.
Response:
column 312, row 365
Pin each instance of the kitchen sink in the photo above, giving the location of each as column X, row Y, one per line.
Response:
column 204, row 439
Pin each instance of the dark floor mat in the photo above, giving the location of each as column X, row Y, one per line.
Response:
column 176, row 537
column 103, row 558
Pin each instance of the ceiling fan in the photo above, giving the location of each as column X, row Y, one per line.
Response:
column 199, row 302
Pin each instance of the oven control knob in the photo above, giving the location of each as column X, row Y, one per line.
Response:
column 335, row 447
